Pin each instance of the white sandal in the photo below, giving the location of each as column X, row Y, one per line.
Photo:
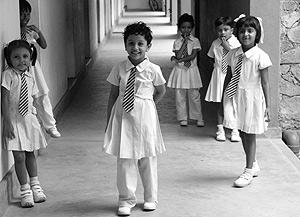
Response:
column 38, row 194
column 27, row 199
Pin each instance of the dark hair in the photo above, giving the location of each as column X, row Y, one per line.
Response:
column 138, row 28
column 17, row 44
column 226, row 21
column 250, row 21
column 24, row 6
column 186, row 18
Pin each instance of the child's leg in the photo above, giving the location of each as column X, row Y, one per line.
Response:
column 195, row 109
column 181, row 104
column 148, row 173
column 249, row 145
column 127, row 181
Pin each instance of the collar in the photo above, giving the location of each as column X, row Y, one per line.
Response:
column 248, row 53
column 20, row 73
column 191, row 37
column 140, row 67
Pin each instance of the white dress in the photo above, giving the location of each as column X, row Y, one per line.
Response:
column 245, row 110
column 136, row 134
column 27, row 130
column 215, row 88
column 181, row 76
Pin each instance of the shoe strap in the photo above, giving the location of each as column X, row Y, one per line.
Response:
column 26, row 193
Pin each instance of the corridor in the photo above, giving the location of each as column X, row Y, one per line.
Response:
column 196, row 172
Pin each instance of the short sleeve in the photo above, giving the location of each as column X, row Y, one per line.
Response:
column 114, row 76
column 177, row 45
column 6, row 80
column 196, row 44
column 264, row 61
column 158, row 77
column 210, row 52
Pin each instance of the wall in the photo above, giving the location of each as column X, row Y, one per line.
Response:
column 140, row 4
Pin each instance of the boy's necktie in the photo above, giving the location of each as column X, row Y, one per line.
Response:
column 128, row 100
column 23, row 36
column 184, row 54
column 23, row 102
column 232, row 86
column 224, row 63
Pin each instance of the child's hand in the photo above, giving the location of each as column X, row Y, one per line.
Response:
column 32, row 28
column 225, row 43
column 267, row 115
column 173, row 58
column 8, row 130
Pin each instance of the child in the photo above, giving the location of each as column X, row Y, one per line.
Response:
column 21, row 130
column 33, row 35
column 218, row 51
column 133, row 133
column 247, row 97
column 185, row 76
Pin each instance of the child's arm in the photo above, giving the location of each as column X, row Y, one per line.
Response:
column 225, row 44
column 41, row 40
column 114, row 93
column 8, row 129
column 266, row 89
column 189, row 57
column 160, row 91
column 178, row 53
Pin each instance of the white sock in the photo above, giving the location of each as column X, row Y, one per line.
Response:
column 220, row 127
column 34, row 181
column 25, row 187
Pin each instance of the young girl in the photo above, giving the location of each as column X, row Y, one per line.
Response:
column 185, row 76
column 33, row 35
column 133, row 133
column 218, row 51
column 247, row 97
column 21, row 130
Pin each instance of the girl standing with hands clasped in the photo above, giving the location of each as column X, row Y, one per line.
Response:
column 185, row 76
column 218, row 51
column 22, row 133
column 247, row 96
column 33, row 35
column 133, row 133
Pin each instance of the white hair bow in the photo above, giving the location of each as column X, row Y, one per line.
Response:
column 262, row 30
column 240, row 17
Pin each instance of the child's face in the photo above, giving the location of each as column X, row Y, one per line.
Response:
column 185, row 29
column 24, row 18
column 136, row 47
column 224, row 31
column 20, row 59
column 246, row 36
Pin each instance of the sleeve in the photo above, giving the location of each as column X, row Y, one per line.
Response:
column 196, row 44
column 210, row 52
column 34, row 89
column 264, row 61
column 176, row 45
column 114, row 76
column 158, row 77
column 6, row 80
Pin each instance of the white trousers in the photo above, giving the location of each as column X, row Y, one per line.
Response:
column 192, row 97
column 127, row 176
column 44, row 111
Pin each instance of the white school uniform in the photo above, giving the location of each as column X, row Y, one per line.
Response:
column 27, row 130
column 215, row 88
column 245, row 110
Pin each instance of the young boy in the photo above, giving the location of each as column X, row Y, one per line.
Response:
column 218, row 51
column 133, row 132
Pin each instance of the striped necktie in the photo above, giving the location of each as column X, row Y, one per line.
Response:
column 224, row 63
column 184, row 54
column 23, row 103
column 232, row 86
column 23, row 36
column 128, row 100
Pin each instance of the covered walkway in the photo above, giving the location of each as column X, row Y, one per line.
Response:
column 196, row 172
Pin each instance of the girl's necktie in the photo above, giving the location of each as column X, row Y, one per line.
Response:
column 128, row 100
column 23, row 36
column 23, row 102
column 224, row 63
column 184, row 54
column 232, row 86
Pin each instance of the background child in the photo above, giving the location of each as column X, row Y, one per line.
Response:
column 22, row 133
column 33, row 35
column 133, row 133
column 247, row 97
column 185, row 76
column 218, row 51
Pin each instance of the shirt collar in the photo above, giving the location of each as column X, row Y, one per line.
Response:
column 140, row 67
column 191, row 37
column 20, row 73
column 248, row 53
column 229, row 40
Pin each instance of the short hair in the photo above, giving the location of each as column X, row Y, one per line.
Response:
column 186, row 18
column 226, row 21
column 24, row 6
column 250, row 21
column 138, row 28
column 18, row 44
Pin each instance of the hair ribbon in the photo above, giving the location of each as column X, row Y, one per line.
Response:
column 240, row 17
column 262, row 30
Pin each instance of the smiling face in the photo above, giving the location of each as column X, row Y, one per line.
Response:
column 24, row 18
column 247, row 36
column 224, row 31
column 136, row 47
column 20, row 59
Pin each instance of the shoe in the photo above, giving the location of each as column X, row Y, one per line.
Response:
column 244, row 179
column 200, row 123
column 27, row 199
column 149, row 206
column 235, row 136
column 124, row 211
column 183, row 123
column 38, row 194
column 53, row 132
column 221, row 135
column 255, row 169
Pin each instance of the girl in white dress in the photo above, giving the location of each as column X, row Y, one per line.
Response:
column 185, row 76
column 218, row 51
column 133, row 132
column 247, row 105
column 22, row 133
